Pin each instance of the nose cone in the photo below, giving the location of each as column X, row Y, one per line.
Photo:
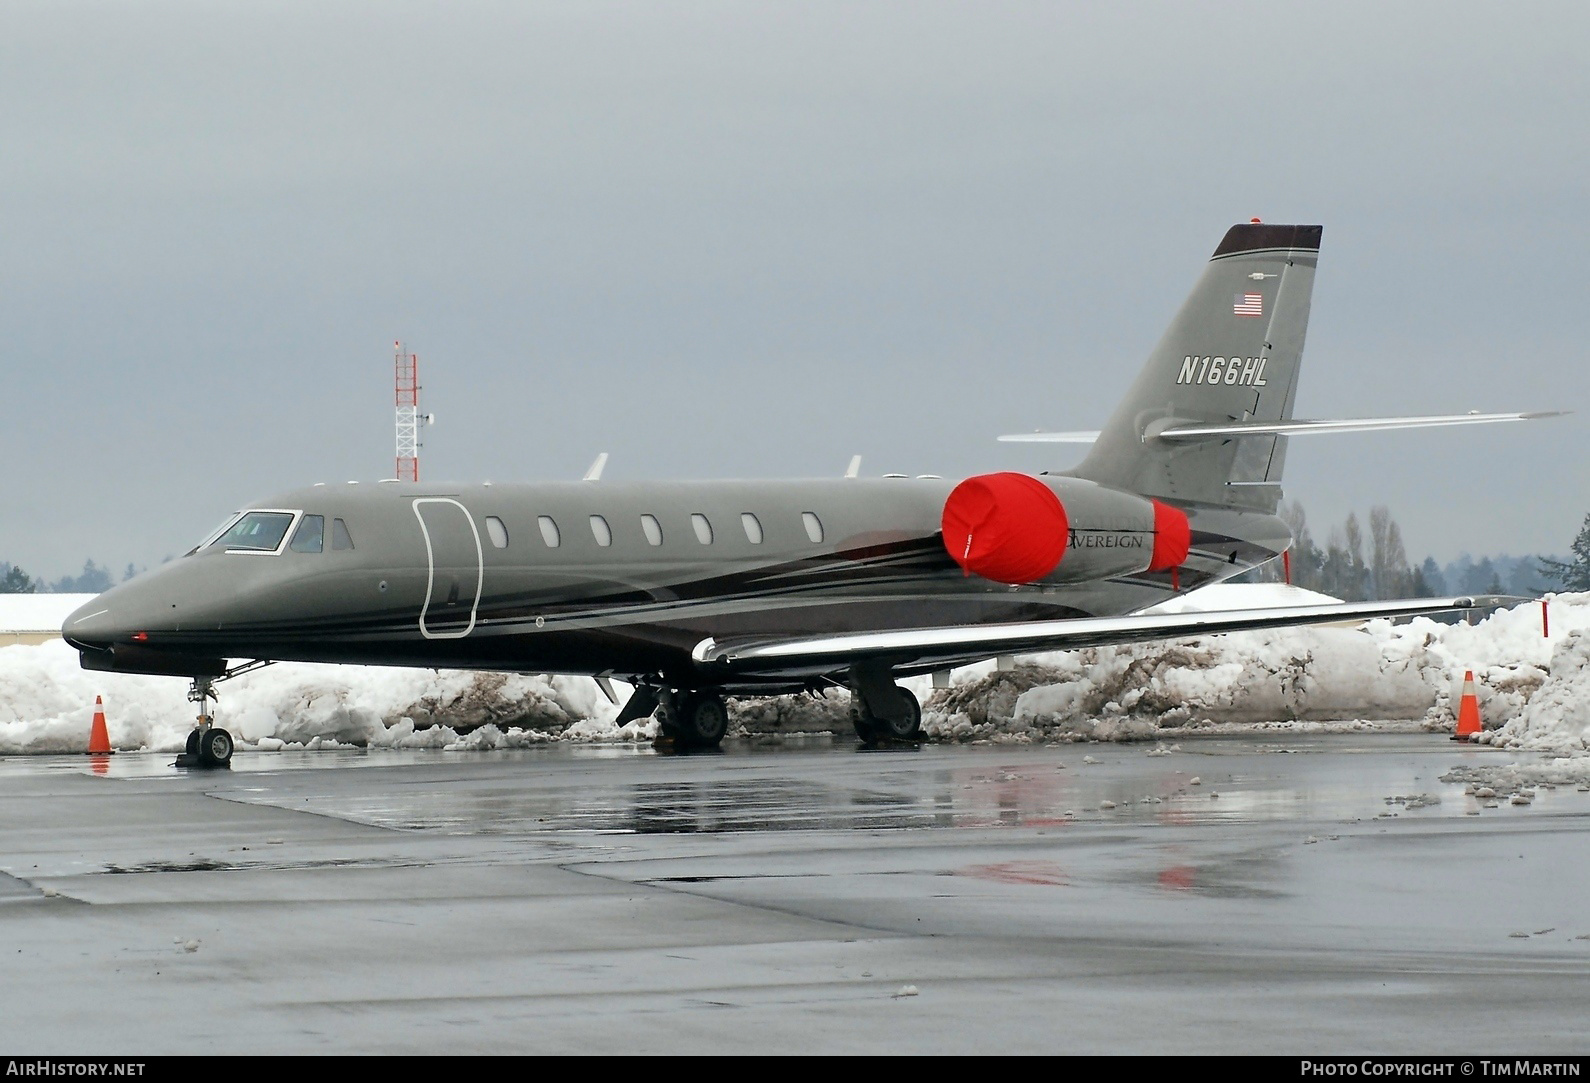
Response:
column 92, row 625
column 121, row 615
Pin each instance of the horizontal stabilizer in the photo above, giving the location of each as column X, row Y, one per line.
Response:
column 1295, row 427
column 1291, row 427
column 1051, row 437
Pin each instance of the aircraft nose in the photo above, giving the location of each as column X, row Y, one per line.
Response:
column 123, row 614
column 94, row 624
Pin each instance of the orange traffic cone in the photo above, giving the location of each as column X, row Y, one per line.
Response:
column 1468, row 721
column 98, row 736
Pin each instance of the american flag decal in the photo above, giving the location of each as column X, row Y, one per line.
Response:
column 1248, row 304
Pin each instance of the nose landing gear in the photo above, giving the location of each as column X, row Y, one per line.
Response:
column 208, row 744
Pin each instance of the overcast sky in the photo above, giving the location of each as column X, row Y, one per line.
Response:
column 752, row 239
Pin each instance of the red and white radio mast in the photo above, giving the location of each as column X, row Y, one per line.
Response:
column 407, row 367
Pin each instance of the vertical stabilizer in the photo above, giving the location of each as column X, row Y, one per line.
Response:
column 1231, row 354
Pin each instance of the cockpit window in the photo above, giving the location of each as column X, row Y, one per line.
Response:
column 340, row 538
column 310, row 537
column 214, row 534
column 256, row 532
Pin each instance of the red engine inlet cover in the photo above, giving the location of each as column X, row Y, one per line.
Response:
column 1008, row 527
column 1172, row 538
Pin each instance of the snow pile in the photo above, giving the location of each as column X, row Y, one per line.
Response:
column 1217, row 596
column 1557, row 715
column 1323, row 677
column 38, row 612
column 1133, row 691
column 1534, row 692
column 47, row 705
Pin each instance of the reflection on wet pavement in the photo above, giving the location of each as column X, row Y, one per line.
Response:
column 772, row 789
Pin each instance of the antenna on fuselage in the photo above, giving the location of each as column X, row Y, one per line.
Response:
column 595, row 472
column 854, row 469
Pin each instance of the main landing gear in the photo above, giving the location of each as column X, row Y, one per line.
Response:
column 881, row 710
column 696, row 720
column 208, row 744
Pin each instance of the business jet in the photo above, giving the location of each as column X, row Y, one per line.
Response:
column 692, row 591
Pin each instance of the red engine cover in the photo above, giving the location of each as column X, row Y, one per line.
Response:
column 1172, row 538
column 1008, row 527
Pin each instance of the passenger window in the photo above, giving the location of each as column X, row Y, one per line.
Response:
column 258, row 531
column 753, row 527
column 549, row 530
column 814, row 526
column 340, row 538
column 601, row 531
column 310, row 537
column 702, row 527
column 497, row 532
column 653, row 529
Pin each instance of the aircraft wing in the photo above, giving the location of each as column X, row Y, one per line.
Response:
column 918, row 649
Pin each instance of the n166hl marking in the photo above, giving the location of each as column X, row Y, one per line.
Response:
column 1241, row 371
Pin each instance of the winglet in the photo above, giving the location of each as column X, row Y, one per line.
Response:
column 854, row 469
column 595, row 472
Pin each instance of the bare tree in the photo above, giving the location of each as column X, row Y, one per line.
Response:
column 1399, row 577
column 1388, row 560
column 1307, row 560
column 1357, row 571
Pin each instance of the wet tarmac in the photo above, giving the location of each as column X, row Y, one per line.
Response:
column 1281, row 894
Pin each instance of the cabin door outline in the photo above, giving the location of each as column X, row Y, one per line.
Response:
column 452, row 556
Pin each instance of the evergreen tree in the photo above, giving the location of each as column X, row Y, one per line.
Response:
column 1430, row 573
column 14, row 580
column 1574, row 573
column 94, row 580
column 1480, row 577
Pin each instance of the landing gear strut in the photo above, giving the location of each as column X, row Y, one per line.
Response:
column 208, row 744
column 880, row 709
column 694, row 719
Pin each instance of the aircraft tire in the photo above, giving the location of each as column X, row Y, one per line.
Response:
column 215, row 747
column 870, row 728
column 192, row 747
column 908, row 728
column 702, row 720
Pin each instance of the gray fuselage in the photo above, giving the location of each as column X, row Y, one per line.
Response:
column 468, row 576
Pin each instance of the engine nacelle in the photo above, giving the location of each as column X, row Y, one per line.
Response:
column 1016, row 528
column 1007, row 527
